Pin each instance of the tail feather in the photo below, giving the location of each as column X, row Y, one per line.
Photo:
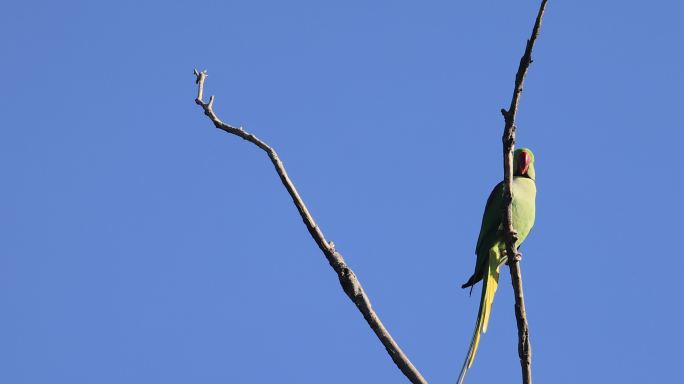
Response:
column 490, row 283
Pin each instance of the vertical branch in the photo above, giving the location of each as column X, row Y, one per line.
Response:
column 524, row 347
column 350, row 283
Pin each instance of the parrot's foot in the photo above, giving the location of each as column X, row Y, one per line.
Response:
column 518, row 257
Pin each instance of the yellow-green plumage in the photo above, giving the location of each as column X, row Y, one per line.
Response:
column 490, row 249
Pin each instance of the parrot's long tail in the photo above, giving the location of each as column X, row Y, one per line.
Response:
column 490, row 283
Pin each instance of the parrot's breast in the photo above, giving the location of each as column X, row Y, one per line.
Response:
column 524, row 196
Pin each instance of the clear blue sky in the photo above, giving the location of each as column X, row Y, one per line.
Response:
column 141, row 245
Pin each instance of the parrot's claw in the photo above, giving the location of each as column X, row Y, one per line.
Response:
column 518, row 257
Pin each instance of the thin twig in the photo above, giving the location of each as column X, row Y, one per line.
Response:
column 524, row 347
column 350, row 283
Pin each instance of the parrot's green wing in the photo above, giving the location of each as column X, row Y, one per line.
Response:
column 491, row 218
column 491, row 222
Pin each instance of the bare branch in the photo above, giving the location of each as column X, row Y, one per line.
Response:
column 524, row 347
column 350, row 283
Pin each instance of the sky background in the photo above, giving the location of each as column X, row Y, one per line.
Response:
column 138, row 244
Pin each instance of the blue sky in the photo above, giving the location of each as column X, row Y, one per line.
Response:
column 141, row 245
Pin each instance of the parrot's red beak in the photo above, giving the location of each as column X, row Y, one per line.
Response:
column 524, row 160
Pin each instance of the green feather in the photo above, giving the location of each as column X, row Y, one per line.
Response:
column 490, row 248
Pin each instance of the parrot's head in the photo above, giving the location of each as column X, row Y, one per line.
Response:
column 523, row 163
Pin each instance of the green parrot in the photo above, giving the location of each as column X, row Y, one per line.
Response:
column 491, row 249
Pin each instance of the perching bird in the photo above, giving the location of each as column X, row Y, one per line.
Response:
column 491, row 249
